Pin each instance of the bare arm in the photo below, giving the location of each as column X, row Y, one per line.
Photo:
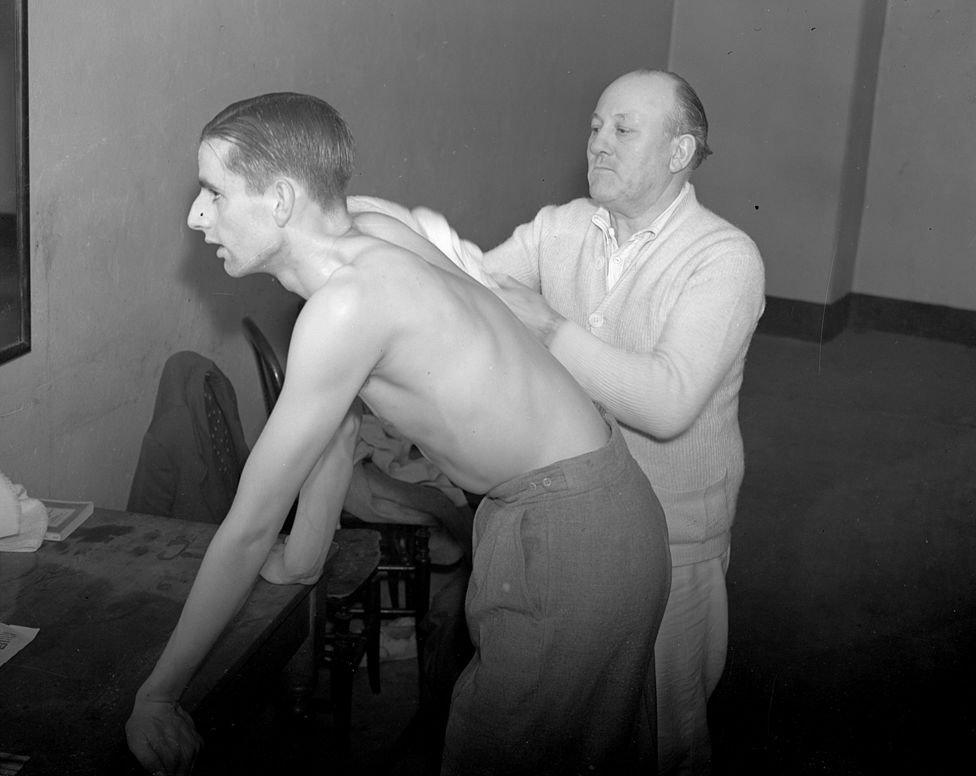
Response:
column 328, row 362
column 160, row 734
column 301, row 558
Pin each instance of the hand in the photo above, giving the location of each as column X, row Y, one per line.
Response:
column 529, row 307
column 276, row 571
column 162, row 737
column 273, row 569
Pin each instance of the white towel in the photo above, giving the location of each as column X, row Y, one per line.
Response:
column 434, row 227
column 23, row 520
column 392, row 454
column 9, row 508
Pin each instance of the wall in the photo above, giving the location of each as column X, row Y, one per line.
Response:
column 480, row 108
column 778, row 82
column 918, row 238
column 477, row 108
column 841, row 133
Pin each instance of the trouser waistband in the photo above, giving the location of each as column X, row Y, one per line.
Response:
column 570, row 474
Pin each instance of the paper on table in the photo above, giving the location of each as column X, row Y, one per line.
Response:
column 14, row 638
column 11, row 763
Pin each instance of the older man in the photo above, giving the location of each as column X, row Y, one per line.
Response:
column 650, row 301
column 571, row 565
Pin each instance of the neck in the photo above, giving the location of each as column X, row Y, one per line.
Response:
column 314, row 249
column 628, row 223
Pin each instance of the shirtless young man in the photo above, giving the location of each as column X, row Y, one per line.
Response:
column 570, row 573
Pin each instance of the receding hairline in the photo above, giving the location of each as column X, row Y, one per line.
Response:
column 650, row 75
column 640, row 75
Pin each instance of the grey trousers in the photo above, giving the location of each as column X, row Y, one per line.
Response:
column 570, row 580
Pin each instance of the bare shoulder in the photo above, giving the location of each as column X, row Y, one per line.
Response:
column 381, row 226
column 394, row 231
column 358, row 296
column 374, row 222
column 342, row 323
column 340, row 302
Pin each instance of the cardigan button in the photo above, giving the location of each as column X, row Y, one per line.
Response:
column 596, row 320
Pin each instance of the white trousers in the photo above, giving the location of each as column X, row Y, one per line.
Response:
column 689, row 657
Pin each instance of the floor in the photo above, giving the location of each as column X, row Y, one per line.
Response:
column 852, row 583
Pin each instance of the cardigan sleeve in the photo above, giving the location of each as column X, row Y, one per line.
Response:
column 663, row 392
column 519, row 255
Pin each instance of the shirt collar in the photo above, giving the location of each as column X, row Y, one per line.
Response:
column 602, row 217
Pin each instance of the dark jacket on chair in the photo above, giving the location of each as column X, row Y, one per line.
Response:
column 194, row 450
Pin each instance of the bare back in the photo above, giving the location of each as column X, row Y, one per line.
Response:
column 453, row 369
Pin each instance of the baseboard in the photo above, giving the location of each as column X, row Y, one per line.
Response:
column 810, row 321
column 804, row 320
column 935, row 321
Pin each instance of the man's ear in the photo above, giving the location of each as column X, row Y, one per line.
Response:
column 283, row 191
column 682, row 151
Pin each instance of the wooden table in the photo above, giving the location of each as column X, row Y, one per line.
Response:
column 105, row 601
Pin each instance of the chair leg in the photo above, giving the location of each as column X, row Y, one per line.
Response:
column 301, row 673
column 421, row 597
column 371, row 625
column 341, row 673
column 393, row 588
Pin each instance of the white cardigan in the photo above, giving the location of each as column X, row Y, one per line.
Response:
column 663, row 350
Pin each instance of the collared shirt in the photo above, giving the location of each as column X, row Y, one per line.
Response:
column 620, row 257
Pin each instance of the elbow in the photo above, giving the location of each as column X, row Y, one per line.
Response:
column 283, row 568
column 664, row 422
column 291, row 576
column 666, row 429
column 666, row 432
column 304, row 564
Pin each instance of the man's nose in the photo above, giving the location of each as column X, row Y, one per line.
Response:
column 196, row 218
column 598, row 143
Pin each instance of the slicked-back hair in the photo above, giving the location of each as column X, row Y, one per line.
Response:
column 688, row 117
column 284, row 133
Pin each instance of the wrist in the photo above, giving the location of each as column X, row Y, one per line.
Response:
column 156, row 694
column 548, row 333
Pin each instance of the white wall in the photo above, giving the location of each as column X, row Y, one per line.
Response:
column 843, row 140
column 777, row 81
column 918, row 239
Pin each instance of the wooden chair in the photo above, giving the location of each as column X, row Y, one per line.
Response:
column 349, row 577
column 405, row 555
column 269, row 368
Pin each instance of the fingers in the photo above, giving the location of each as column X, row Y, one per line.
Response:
column 273, row 568
column 509, row 290
column 164, row 739
column 175, row 751
column 193, row 738
column 147, row 756
column 141, row 746
column 506, row 281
